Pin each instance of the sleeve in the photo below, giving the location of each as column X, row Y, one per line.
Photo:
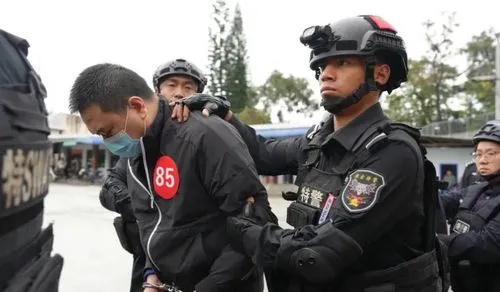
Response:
column 271, row 156
column 114, row 194
column 480, row 247
column 226, row 168
column 374, row 198
column 380, row 193
column 226, row 272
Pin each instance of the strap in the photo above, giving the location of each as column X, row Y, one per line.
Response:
column 471, row 194
column 16, row 260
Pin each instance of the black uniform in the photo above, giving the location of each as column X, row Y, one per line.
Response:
column 114, row 197
column 470, row 175
column 197, row 173
column 26, row 263
column 473, row 245
column 364, row 185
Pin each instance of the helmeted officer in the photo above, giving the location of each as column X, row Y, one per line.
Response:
column 26, row 262
column 365, row 212
column 173, row 80
column 474, row 242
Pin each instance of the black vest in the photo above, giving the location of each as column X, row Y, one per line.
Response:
column 318, row 189
column 26, row 263
column 467, row 275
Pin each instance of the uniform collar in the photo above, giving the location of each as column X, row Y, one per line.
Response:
column 348, row 135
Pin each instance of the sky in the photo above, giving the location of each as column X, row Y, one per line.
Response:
column 68, row 36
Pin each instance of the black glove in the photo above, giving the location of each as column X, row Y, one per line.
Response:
column 218, row 105
column 236, row 229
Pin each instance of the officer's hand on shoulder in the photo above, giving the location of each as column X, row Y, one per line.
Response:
column 208, row 104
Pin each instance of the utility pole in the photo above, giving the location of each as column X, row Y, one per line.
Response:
column 495, row 78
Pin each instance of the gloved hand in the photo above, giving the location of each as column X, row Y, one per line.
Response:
column 217, row 105
column 236, row 231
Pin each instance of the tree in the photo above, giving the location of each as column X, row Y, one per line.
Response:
column 431, row 81
column 291, row 92
column 253, row 116
column 236, row 83
column 217, row 34
column 480, row 54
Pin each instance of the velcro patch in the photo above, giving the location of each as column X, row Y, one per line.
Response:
column 362, row 190
column 461, row 227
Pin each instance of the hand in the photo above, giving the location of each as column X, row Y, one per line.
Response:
column 208, row 104
column 151, row 290
column 236, row 228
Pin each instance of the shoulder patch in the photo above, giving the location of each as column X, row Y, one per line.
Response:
column 361, row 190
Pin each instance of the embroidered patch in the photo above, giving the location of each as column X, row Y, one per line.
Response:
column 362, row 190
column 461, row 227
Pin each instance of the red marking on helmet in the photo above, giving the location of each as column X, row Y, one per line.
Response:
column 381, row 23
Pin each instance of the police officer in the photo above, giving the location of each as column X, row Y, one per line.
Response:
column 26, row 263
column 473, row 245
column 365, row 214
column 173, row 80
column 184, row 180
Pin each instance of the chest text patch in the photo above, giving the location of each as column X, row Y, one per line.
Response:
column 166, row 177
column 362, row 190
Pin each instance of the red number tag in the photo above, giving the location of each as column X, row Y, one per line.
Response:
column 166, row 177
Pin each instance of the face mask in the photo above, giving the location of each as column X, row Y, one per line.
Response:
column 122, row 144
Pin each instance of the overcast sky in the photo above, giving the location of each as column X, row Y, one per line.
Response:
column 68, row 36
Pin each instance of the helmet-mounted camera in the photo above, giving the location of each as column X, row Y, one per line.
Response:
column 319, row 38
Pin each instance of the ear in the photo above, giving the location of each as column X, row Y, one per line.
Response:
column 382, row 73
column 137, row 103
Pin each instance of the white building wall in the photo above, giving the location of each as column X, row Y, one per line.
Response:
column 458, row 156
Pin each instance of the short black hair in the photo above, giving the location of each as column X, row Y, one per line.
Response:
column 108, row 86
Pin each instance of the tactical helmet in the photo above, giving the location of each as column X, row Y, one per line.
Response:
column 364, row 35
column 488, row 132
column 179, row 67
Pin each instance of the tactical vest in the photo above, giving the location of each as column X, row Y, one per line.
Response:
column 467, row 275
column 26, row 263
column 318, row 190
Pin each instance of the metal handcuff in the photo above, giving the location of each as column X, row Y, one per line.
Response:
column 162, row 287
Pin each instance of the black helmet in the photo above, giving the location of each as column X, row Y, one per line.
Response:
column 488, row 132
column 179, row 67
column 364, row 35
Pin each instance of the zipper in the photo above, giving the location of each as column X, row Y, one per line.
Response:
column 153, row 202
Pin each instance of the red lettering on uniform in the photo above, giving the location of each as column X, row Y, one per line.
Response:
column 166, row 177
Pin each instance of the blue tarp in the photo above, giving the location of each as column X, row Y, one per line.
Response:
column 267, row 133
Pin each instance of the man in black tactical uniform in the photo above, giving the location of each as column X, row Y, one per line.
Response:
column 173, row 80
column 26, row 263
column 365, row 211
column 473, row 245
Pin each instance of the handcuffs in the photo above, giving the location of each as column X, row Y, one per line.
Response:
column 161, row 287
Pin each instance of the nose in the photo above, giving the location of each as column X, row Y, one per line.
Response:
column 327, row 73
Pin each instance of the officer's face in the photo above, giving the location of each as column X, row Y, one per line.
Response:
column 133, row 120
column 177, row 87
column 487, row 157
column 341, row 76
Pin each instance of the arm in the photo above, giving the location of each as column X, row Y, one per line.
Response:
column 228, row 174
column 354, row 227
column 114, row 194
column 271, row 156
column 477, row 246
